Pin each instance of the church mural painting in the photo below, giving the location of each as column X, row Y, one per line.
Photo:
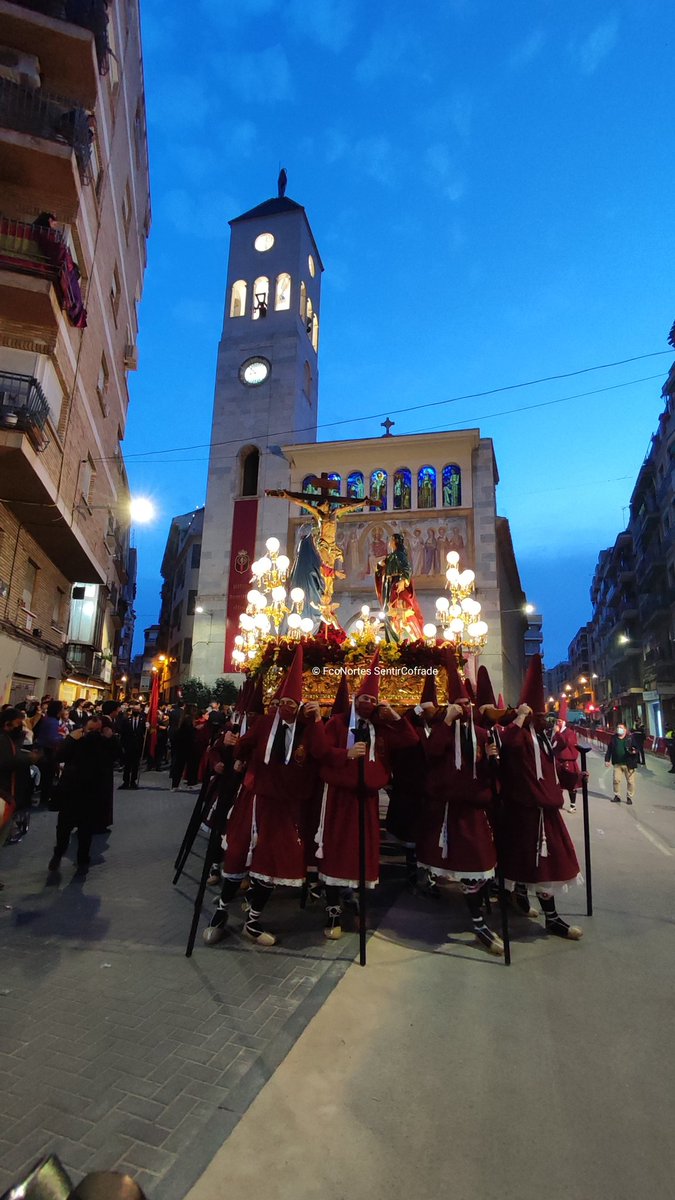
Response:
column 428, row 540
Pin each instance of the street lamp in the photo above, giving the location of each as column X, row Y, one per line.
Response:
column 141, row 510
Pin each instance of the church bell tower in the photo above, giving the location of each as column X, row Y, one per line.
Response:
column 266, row 396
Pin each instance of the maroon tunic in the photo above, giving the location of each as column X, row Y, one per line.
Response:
column 283, row 793
column 455, row 836
column 566, row 750
column 409, row 770
column 338, row 837
column 537, row 849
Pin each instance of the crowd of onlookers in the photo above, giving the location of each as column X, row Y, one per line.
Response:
column 63, row 757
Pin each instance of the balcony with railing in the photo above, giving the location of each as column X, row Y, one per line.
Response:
column 45, row 147
column 87, row 660
column 69, row 38
column 651, row 563
column 23, row 406
column 34, row 259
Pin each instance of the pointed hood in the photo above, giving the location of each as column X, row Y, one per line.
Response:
column 484, row 689
column 341, row 702
column 370, row 682
column 456, row 688
column 244, row 695
column 562, row 711
column 292, row 685
column 501, row 702
column 533, row 687
column 256, row 701
column 469, row 689
column 429, row 693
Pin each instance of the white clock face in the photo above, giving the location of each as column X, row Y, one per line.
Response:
column 264, row 241
column 254, row 371
column 310, row 264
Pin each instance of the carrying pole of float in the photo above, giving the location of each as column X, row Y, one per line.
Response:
column 498, row 809
column 583, row 751
column 361, row 795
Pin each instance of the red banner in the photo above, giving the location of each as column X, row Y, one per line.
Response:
column 242, row 554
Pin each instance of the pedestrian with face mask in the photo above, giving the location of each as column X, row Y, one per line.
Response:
column 624, row 757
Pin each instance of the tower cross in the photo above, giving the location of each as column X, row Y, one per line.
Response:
column 387, row 426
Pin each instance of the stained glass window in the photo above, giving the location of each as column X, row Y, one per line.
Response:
column 452, row 486
column 426, row 487
column 308, row 486
column 356, row 488
column 337, row 479
column 378, row 489
column 402, row 488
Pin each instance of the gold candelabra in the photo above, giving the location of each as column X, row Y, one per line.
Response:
column 458, row 615
column 368, row 629
column 267, row 606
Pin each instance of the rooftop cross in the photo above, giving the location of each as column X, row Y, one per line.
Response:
column 387, row 426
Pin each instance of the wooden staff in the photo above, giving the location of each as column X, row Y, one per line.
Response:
column 498, row 809
column 583, row 751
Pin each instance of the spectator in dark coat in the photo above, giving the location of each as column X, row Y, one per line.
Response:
column 16, row 784
column 638, row 735
column 184, row 752
column 49, row 739
column 131, row 729
column 88, row 756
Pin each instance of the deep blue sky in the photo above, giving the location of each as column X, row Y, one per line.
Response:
column 490, row 187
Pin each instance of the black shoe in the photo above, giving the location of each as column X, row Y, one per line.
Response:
column 54, row 862
column 123, row 787
column 133, row 787
column 561, row 929
column 616, row 799
column 628, row 800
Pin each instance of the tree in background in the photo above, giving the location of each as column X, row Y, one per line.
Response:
column 196, row 692
column 224, row 691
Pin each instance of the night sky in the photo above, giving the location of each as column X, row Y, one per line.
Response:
column 490, row 187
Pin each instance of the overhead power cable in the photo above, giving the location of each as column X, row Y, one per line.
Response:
column 283, row 433
column 431, row 429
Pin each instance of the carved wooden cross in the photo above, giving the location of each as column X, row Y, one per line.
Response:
column 324, row 484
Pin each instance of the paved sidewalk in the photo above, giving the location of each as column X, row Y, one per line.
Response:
column 116, row 1050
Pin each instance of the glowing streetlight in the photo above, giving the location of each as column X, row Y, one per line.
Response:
column 142, row 510
column 198, row 608
column 529, row 609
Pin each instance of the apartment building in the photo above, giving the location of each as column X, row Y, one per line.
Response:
column 180, row 574
column 623, row 661
column 73, row 145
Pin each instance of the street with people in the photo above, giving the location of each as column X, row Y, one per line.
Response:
column 123, row 1052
